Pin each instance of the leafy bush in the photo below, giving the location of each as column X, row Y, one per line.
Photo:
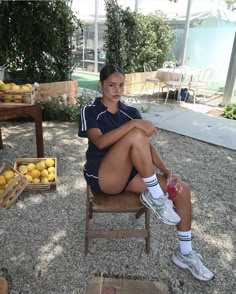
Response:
column 132, row 38
column 230, row 110
column 57, row 108
column 35, row 40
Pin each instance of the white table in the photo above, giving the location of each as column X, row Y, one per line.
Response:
column 163, row 74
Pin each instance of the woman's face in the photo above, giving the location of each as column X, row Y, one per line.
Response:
column 113, row 87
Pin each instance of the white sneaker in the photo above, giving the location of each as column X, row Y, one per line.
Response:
column 162, row 207
column 193, row 262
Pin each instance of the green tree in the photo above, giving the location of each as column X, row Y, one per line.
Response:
column 132, row 38
column 35, row 40
column 230, row 3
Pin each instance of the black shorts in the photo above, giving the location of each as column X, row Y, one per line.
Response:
column 92, row 180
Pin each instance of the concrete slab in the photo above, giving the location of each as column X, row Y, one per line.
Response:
column 199, row 125
column 122, row 286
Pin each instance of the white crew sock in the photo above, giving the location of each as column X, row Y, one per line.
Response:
column 153, row 186
column 185, row 242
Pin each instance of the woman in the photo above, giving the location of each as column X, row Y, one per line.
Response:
column 120, row 157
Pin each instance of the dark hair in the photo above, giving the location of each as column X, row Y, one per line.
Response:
column 108, row 70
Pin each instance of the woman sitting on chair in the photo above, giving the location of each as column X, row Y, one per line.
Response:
column 120, row 157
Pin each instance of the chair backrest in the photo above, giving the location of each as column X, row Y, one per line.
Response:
column 169, row 64
column 205, row 75
column 148, row 71
column 176, row 76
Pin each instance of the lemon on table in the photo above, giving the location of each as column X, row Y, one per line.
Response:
column 49, row 162
column 9, row 174
column 22, row 169
column 40, row 165
column 31, row 166
column 2, row 180
column 51, row 169
column 51, row 177
column 35, row 173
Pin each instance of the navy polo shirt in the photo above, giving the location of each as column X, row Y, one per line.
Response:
column 96, row 115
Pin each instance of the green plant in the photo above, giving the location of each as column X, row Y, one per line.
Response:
column 132, row 38
column 35, row 40
column 58, row 108
column 230, row 110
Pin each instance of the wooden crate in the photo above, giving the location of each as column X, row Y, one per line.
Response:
column 16, row 97
column 13, row 189
column 70, row 88
column 37, row 186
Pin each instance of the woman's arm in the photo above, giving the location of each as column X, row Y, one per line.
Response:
column 105, row 140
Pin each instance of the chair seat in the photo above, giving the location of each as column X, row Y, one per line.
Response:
column 152, row 80
column 127, row 201
column 199, row 84
column 172, row 84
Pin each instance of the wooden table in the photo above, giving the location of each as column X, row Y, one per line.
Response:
column 8, row 111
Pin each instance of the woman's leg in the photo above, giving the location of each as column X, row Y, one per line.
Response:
column 131, row 150
column 182, row 202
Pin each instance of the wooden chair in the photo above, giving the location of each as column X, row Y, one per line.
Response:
column 122, row 203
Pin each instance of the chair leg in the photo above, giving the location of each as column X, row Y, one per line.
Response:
column 140, row 212
column 167, row 95
column 87, row 217
column 147, row 227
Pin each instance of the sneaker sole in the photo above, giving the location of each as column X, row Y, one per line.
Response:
column 177, row 262
column 156, row 214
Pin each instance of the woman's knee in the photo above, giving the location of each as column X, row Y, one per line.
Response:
column 185, row 194
column 137, row 136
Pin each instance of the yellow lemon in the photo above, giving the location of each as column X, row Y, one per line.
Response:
column 29, row 178
column 51, row 170
column 29, row 86
column 9, row 174
column 40, row 165
column 22, row 169
column 44, row 173
column 1, row 82
column 24, row 88
column 51, row 177
column 49, row 162
column 44, row 180
column 31, row 166
column 36, row 181
column 2, row 180
column 5, row 87
column 35, row 173
column 9, row 180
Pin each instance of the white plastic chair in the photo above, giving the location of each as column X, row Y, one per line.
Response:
column 150, row 77
column 174, row 82
column 201, row 82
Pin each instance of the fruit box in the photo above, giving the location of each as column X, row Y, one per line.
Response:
column 15, row 186
column 51, row 185
column 16, row 97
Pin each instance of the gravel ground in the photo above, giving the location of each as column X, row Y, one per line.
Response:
column 41, row 235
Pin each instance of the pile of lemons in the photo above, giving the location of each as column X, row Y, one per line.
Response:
column 39, row 172
column 5, row 179
column 14, row 87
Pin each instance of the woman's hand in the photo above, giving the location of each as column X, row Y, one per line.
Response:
column 178, row 185
column 146, row 126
